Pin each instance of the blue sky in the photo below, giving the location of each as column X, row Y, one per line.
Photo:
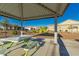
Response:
column 72, row 12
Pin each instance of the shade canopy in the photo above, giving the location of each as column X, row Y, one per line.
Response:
column 28, row 11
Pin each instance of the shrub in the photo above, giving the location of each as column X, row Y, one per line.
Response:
column 14, row 32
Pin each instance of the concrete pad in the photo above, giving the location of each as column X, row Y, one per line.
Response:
column 72, row 47
column 56, row 50
column 17, row 52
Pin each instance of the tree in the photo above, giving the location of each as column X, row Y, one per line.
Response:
column 1, row 26
column 43, row 29
column 5, row 23
column 14, row 32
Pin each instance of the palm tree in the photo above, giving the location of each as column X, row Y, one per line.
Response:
column 5, row 24
column 1, row 26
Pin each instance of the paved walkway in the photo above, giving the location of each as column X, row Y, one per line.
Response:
column 72, row 47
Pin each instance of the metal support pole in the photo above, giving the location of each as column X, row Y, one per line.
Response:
column 22, row 20
column 55, row 30
column 21, row 28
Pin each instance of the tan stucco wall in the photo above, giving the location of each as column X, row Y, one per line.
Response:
column 64, row 28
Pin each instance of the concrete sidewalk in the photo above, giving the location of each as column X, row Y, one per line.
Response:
column 72, row 47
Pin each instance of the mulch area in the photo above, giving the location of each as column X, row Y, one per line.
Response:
column 71, row 36
column 45, row 35
column 64, row 35
column 7, row 33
